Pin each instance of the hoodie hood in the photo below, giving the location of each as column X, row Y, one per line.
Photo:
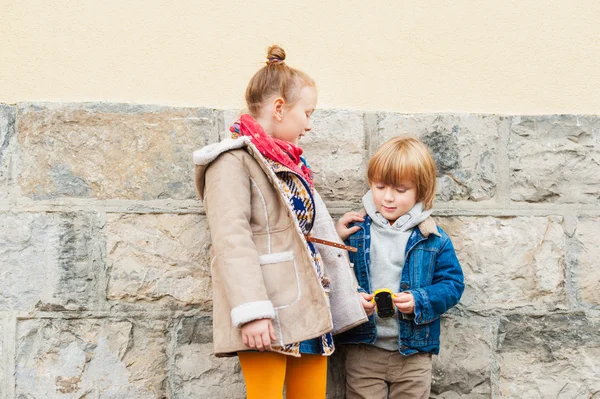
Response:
column 204, row 156
column 405, row 222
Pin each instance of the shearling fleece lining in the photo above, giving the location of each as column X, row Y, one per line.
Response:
column 250, row 311
column 428, row 227
column 278, row 257
column 209, row 153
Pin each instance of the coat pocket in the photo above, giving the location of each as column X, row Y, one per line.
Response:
column 281, row 278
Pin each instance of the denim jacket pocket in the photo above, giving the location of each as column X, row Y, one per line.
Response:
column 423, row 262
column 410, row 331
column 422, row 332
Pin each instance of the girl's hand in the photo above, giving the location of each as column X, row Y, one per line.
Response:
column 405, row 302
column 258, row 334
column 342, row 224
column 366, row 302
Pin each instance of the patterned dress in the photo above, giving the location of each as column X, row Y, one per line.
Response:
column 300, row 197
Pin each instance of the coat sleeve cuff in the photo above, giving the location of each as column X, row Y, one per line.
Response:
column 250, row 311
column 423, row 310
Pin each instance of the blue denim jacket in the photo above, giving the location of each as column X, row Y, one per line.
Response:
column 431, row 273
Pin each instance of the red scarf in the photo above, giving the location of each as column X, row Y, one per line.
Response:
column 281, row 151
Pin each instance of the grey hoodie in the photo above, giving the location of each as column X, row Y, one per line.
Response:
column 388, row 245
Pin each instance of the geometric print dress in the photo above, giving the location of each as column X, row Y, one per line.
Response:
column 300, row 197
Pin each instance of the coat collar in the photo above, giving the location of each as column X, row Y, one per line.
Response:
column 207, row 154
column 426, row 227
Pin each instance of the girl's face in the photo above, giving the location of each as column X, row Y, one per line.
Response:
column 295, row 120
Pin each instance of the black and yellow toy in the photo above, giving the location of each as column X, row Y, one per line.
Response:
column 383, row 301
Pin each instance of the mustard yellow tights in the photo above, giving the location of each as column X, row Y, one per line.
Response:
column 266, row 372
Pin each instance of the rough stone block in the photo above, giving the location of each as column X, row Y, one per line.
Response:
column 93, row 358
column 3, row 357
column 111, row 151
column 510, row 262
column 335, row 149
column 46, row 260
column 586, row 258
column 463, row 368
column 555, row 159
column 230, row 116
column 465, row 148
column 7, row 144
column 158, row 258
column 554, row 356
column 197, row 373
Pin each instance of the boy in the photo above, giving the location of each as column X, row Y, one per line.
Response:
column 401, row 249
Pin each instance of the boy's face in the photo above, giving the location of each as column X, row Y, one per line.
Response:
column 393, row 202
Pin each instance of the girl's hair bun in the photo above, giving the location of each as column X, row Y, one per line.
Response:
column 276, row 78
column 275, row 55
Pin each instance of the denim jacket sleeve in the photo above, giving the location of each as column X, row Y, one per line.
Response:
column 446, row 287
column 352, row 256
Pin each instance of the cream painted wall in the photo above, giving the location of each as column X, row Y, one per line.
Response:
column 516, row 57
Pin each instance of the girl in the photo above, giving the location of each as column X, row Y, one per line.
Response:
column 270, row 286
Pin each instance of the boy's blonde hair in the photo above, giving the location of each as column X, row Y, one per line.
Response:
column 405, row 158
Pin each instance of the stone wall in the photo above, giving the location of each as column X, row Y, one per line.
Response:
column 104, row 272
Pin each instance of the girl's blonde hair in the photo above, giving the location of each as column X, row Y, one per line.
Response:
column 405, row 158
column 275, row 78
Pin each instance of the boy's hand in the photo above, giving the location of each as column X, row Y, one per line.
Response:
column 366, row 302
column 258, row 334
column 342, row 224
column 405, row 302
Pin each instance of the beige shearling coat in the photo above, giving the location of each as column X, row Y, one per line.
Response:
column 261, row 266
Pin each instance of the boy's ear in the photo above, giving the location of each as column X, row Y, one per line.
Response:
column 278, row 104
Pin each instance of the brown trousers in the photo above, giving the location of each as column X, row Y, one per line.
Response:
column 375, row 373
